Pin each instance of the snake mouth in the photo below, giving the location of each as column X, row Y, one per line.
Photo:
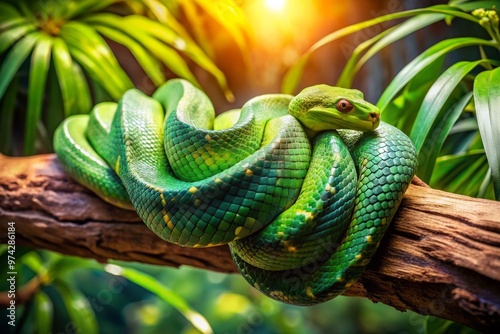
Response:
column 320, row 118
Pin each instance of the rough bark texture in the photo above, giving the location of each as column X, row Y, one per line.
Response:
column 441, row 255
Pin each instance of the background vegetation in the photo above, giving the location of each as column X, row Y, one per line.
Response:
column 434, row 72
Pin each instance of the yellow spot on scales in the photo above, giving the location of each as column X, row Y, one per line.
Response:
column 328, row 187
column 192, row 190
column 249, row 172
column 308, row 215
column 163, row 202
column 359, row 256
column 208, row 138
column 369, row 239
column 238, row 230
column 117, row 164
column 309, row 292
column 166, row 219
column 289, row 247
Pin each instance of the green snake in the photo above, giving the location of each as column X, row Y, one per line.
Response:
column 302, row 188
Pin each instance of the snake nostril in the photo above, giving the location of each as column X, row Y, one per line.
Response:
column 374, row 115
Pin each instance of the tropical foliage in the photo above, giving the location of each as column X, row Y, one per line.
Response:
column 450, row 112
column 57, row 56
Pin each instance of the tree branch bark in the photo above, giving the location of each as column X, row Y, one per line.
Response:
column 441, row 255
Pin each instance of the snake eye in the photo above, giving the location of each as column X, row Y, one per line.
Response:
column 344, row 106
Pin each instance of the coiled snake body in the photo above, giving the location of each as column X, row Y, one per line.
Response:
column 302, row 205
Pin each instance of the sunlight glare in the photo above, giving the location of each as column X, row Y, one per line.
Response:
column 275, row 5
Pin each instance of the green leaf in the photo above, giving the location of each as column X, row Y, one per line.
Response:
column 15, row 58
column 461, row 137
column 422, row 61
column 7, row 116
column 12, row 22
column 182, row 44
column 402, row 110
column 84, row 100
column 80, row 312
column 63, row 64
column 55, row 105
column 461, row 173
column 436, row 325
column 95, row 70
column 230, row 16
column 471, row 5
column 69, row 263
column 8, row 37
column 435, row 99
column 40, row 62
column 151, row 284
column 487, row 102
column 44, row 313
column 150, row 64
column 7, row 11
column 294, row 74
column 96, row 51
column 351, row 67
column 382, row 40
column 436, row 136
column 75, row 8
column 135, row 28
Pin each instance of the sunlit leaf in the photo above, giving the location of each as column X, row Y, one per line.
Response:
column 11, row 22
column 422, row 61
column 150, row 64
column 293, row 75
column 182, row 44
column 151, row 284
column 84, row 100
column 79, row 309
column 14, row 59
column 487, row 102
column 40, row 62
column 230, row 17
column 403, row 109
column 63, row 64
column 75, row 8
column 95, row 70
column 81, row 36
column 68, row 263
column 44, row 313
column 384, row 39
column 54, row 103
column 439, row 130
column 161, row 51
column 461, row 137
column 351, row 67
column 468, row 6
column 8, row 37
column 435, row 99
column 33, row 261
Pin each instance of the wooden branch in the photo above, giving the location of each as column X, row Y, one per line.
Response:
column 441, row 255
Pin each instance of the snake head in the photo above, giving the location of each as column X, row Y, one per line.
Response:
column 324, row 107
